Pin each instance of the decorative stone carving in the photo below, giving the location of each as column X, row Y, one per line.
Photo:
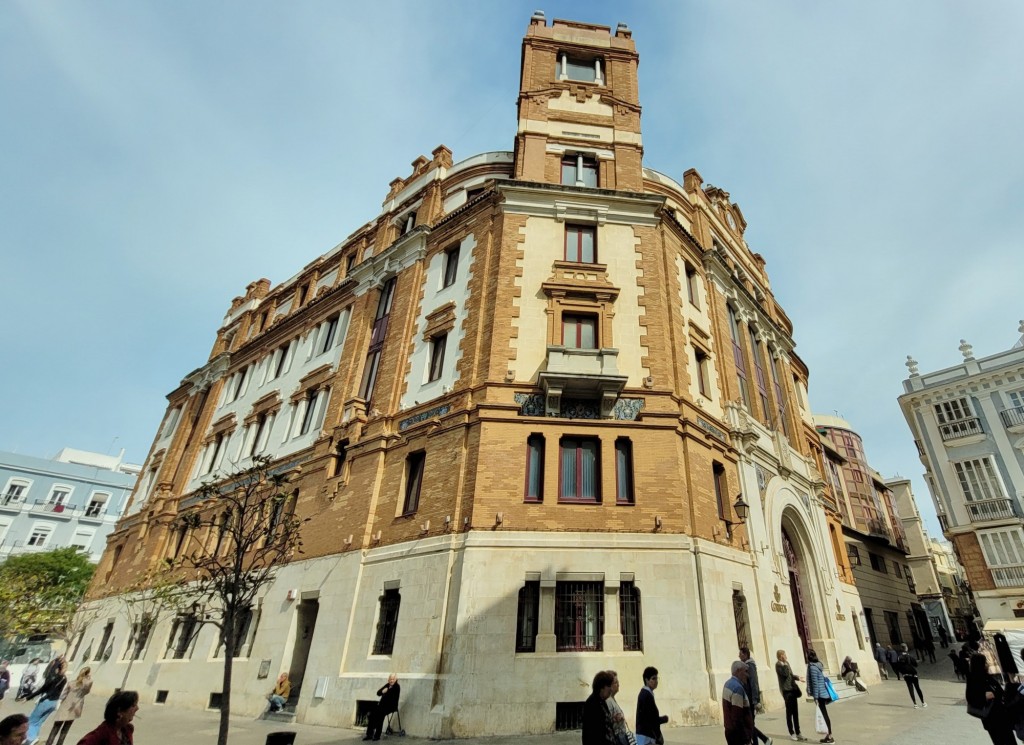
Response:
column 911, row 364
column 966, row 350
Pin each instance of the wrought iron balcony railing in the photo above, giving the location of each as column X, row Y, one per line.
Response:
column 990, row 509
column 1008, row 576
column 961, row 428
column 1012, row 417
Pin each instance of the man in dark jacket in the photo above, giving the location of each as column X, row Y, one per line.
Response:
column 388, row 703
column 753, row 687
column 597, row 720
column 648, row 718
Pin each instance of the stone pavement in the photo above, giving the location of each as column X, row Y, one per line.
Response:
column 883, row 716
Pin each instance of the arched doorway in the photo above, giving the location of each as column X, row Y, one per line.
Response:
column 796, row 574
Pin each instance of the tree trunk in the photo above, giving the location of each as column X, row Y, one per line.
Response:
column 225, row 696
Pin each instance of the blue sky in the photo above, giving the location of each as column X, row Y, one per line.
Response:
column 160, row 156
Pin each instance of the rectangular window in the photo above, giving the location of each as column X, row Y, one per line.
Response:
column 629, row 617
column 1002, row 547
column 138, row 638
column 578, row 68
column 240, row 378
column 437, row 345
column 16, row 491
column 451, row 266
column 579, row 332
column 413, row 481
column 700, row 358
column 762, row 388
column 721, row 490
column 183, row 633
column 692, row 280
column 581, row 243
column 910, row 579
column 387, row 623
column 535, row 468
column 380, row 328
column 953, row 411
column 780, row 402
column 40, row 535
column 327, row 334
column 58, row 498
column 310, row 411
column 257, row 435
column 892, row 623
column 350, row 262
column 897, row 570
column 624, row 471
column 978, row 479
column 580, row 476
column 527, row 615
column 737, row 354
column 82, row 539
column 579, row 171
column 579, row 616
column 281, row 360
column 877, row 563
column 104, row 642
column 171, row 423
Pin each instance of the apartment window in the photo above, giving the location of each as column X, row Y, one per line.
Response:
column 138, row 638
column 240, row 379
column 527, row 615
column 581, row 243
column 953, row 411
column 579, row 331
column 579, row 68
column 1016, row 399
column 978, row 479
column 624, row 471
column 451, row 266
column 387, row 623
column 737, row 354
column 243, row 625
column 58, row 498
column 700, row 358
column 16, row 491
column 327, row 334
column 580, row 476
column 762, row 388
column 413, row 481
column 721, row 490
column 579, row 616
column 897, row 570
column 692, row 280
column 309, row 412
column 257, row 436
column 380, row 328
column 104, row 641
column 579, row 171
column 629, row 617
column 82, row 539
column 183, row 632
column 213, row 453
column 877, row 562
column 854, row 553
column 535, row 468
column 1002, row 547
column 280, row 363
column 39, row 536
column 408, row 223
column 780, row 402
column 437, row 345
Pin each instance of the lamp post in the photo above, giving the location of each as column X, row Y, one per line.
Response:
column 741, row 508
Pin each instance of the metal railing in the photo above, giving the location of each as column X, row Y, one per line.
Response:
column 961, row 428
column 943, row 522
column 57, row 507
column 878, row 527
column 95, row 509
column 1008, row 576
column 1012, row 417
column 990, row 509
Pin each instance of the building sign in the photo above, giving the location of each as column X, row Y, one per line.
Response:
column 776, row 605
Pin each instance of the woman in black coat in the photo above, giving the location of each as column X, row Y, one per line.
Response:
column 982, row 690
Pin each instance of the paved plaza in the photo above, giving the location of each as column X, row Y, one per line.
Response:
column 883, row 716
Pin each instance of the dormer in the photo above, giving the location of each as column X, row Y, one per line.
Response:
column 579, row 110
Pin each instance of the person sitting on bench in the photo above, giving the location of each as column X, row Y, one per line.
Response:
column 388, row 703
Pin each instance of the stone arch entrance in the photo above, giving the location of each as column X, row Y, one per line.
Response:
column 800, row 569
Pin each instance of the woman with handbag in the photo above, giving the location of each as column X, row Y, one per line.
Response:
column 791, row 694
column 622, row 733
column 817, row 690
column 985, row 701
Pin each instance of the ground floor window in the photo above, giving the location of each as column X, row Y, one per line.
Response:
column 629, row 616
column 387, row 622
column 527, row 617
column 579, row 616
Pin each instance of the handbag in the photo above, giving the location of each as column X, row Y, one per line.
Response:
column 819, row 722
column 831, row 690
column 981, row 712
column 797, row 693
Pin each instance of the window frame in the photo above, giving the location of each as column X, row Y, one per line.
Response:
column 437, row 349
column 388, row 607
column 528, row 617
column 328, row 334
column 578, row 321
column 9, row 497
column 631, row 615
column 577, row 606
column 692, row 292
column 578, row 169
column 451, row 266
column 415, row 465
column 535, row 451
column 577, row 232
column 45, row 530
column 700, row 360
column 625, row 472
column 578, row 465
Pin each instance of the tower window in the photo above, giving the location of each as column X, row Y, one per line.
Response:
column 579, row 69
column 579, row 171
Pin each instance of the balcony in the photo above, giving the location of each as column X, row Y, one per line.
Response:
column 1008, row 576
column 944, row 523
column 53, row 507
column 581, row 373
column 880, row 529
column 983, row 510
column 962, row 431
column 1013, row 419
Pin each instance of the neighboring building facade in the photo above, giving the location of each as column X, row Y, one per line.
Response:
column 549, row 421
column 875, row 540
column 968, row 425
column 956, row 591
column 75, row 499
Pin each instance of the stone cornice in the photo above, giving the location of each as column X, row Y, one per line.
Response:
column 400, row 255
column 208, row 374
column 579, row 203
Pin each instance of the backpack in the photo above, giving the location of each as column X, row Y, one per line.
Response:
column 908, row 665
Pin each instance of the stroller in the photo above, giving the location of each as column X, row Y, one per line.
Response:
column 28, row 684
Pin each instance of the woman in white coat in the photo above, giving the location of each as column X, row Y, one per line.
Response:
column 70, row 707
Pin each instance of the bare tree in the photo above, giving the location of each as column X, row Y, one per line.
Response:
column 144, row 603
column 230, row 547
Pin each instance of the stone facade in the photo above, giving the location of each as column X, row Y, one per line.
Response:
column 549, row 419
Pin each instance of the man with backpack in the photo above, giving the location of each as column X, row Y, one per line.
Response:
column 906, row 666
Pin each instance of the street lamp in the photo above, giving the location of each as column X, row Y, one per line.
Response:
column 741, row 508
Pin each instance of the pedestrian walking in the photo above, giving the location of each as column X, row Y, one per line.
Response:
column 70, row 708
column 13, row 729
column 880, row 659
column 943, row 637
column 623, row 735
column 117, row 727
column 908, row 667
column 754, row 693
column 648, row 718
column 49, row 694
column 985, row 701
column 892, row 655
column 389, row 693
column 737, row 711
column 816, row 689
column 597, row 719
column 791, row 694
column 956, row 664
column 929, row 649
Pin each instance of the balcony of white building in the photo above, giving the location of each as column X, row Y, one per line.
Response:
column 1013, row 419
column 962, row 432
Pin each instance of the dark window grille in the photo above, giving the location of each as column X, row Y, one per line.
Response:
column 568, row 715
column 527, row 616
column 629, row 615
column 363, row 711
column 579, row 616
column 384, row 643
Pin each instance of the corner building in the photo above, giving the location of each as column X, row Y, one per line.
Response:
column 533, row 401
